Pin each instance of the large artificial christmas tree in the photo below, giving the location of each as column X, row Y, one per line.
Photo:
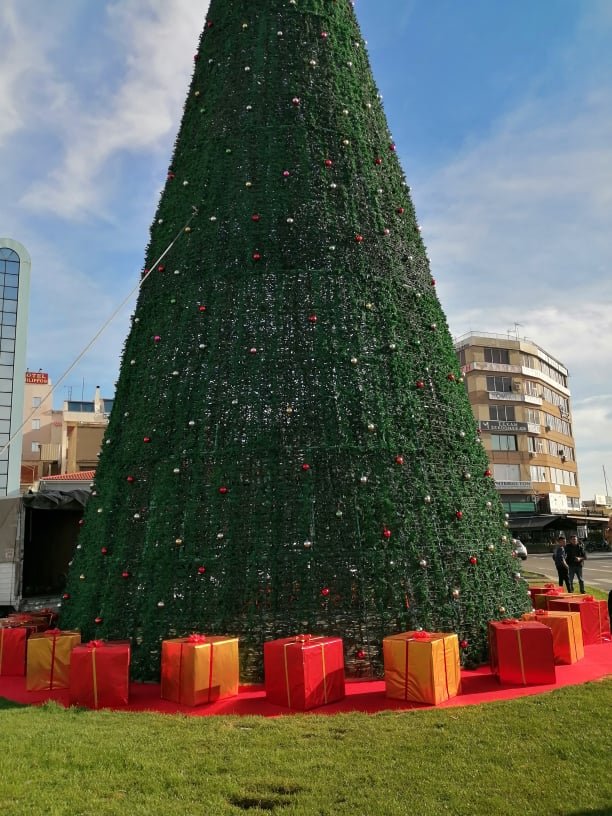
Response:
column 291, row 446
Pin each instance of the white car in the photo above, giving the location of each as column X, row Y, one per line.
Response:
column 519, row 549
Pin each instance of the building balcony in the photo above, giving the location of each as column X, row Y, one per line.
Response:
column 513, row 396
column 512, row 485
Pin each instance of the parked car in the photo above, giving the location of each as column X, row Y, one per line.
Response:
column 519, row 549
column 596, row 544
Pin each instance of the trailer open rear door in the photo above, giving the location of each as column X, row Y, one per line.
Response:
column 11, row 544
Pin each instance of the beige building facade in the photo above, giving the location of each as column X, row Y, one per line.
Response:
column 521, row 401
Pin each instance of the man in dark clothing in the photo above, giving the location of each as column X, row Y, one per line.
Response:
column 575, row 555
column 561, row 562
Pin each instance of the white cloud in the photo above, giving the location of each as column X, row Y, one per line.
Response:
column 158, row 38
column 518, row 229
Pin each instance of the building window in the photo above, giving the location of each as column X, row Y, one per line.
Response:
column 497, row 355
column 499, row 384
column 36, row 402
column 507, row 473
column 539, row 473
column 533, row 416
column 506, row 413
column 36, row 424
column 35, row 447
column 503, row 442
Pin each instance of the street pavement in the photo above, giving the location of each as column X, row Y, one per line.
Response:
column 596, row 571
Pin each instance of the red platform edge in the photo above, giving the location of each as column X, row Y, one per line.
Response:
column 366, row 696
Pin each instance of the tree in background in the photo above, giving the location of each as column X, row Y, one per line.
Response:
column 291, row 446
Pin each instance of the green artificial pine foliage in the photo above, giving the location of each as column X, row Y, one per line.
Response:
column 291, row 447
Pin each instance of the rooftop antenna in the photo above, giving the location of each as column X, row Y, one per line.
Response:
column 603, row 467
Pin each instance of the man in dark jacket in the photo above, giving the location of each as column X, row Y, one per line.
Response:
column 575, row 555
column 559, row 558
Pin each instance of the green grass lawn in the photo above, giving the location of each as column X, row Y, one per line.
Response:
column 547, row 756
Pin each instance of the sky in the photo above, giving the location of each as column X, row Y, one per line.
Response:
column 501, row 113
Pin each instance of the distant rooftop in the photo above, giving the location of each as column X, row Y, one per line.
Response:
column 78, row 476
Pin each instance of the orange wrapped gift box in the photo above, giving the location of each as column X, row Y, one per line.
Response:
column 48, row 660
column 567, row 634
column 422, row 667
column 594, row 615
column 199, row 669
column 100, row 674
column 304, row 672
column 540, row 599
column 13, row 640
column 521, row 652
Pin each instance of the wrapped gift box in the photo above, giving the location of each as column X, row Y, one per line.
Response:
column 594, row 615
column 304, row 672
column 48, row 659
column 100, row 674
column 567, row 634
column 540, row 600
column 422, row 667
column 13, row 640
column 32, row 622
column 521, row 652
column 199, row 669
column 541, row 589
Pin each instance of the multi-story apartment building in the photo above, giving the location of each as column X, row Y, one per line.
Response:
column 520, row 397
column 42, row 430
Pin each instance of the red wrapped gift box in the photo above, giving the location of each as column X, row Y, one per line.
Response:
column 541, row 589
column 100, row 674
column 521, row 652
column 13, row 641
column 594, row 615
column 304, row 672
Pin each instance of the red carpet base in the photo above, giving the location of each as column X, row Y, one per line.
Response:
column 367, row 696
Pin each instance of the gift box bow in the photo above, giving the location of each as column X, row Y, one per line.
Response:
column 510, row 621
column 421, row 636
column 197, row 639
column 95, row 644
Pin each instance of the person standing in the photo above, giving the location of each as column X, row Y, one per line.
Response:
column 560, row 560
column 575, row 556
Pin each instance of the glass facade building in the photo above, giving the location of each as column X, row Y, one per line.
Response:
column 15, row 268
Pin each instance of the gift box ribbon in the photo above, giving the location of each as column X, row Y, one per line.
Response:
column 422, row 637
column 309, row 639
column 197, row 640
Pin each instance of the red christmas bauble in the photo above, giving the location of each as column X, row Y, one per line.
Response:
column 420, row 384
column 65, row 596
column 305, row 466
column 81, row 522
column 451, row 377
column 223, row 490
column 156, row 338
column 256, row 256
column 209, row 24
column 104, row 550
column 358, row 238
column 201, row 570
column 399, row 460
column 488, row 472
column 473, row 560
column 146, row 439
column 201, row 308
column 125, row 574
column 328, row 162
column 400, row 211
column 255, row 217
column 312, row 318
column 161, row 268
column 130, row 479
column 98, row 620
column 392, row 147
column 253, row 350
column 286, row 173
column 196, row 57
column 324, row 35
column 433, row 281
column 378, row 160
column 295, row 101
column 325, row 592
column 171, row 175
column 464, row 644
column 386, row 533
column 459, row 515
column 360, row 654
